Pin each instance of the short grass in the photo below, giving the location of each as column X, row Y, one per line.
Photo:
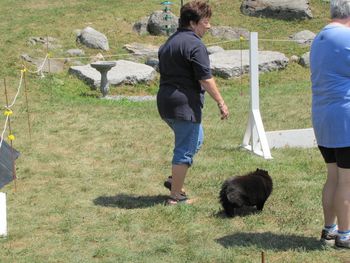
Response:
column 89, row 185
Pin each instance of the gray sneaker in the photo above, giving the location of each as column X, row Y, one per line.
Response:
column 328, row 238
column 342, row 243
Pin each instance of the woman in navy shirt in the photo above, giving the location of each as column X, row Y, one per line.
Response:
column 184, row 77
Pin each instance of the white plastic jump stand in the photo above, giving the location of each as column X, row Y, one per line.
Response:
column 3, row 216
column 255, row 139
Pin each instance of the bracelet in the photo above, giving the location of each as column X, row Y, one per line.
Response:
column 221, row 104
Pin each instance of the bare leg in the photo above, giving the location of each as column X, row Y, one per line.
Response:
column 342, row 199
column 179, row 172
column 328, row 194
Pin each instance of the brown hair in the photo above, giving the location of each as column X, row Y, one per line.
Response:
column 194, row 11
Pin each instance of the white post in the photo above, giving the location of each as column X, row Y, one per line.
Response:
column 254, row 70
column 3, row 217
column 255, row 138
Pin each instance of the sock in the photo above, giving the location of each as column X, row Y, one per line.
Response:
column 344, row 235
column 332, row 228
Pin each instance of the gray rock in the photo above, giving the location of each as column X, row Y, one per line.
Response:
column 141, row 26
column 228, row 64
column 294, row 58
column 304, row 37
column 157, row 23
column 227, row 32
column 75, row 52
column 76, row 63
column 93, row 39
column 47, row 42
column 142, row 49
column 96, row 58
column 153, row 62
column 305, row 60
column 41, row 40
column 281, row 9
column 51, row 65
column 215, row 49
column 125, row 72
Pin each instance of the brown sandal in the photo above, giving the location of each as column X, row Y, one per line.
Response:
column 182, row 199
column 167, row 185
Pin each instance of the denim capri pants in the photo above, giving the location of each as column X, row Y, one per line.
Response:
column 188, row 140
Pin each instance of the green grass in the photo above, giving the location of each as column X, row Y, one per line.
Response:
column 89, row 185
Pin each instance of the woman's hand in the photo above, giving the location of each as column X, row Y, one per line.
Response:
column 210, row 86
column 223, row 110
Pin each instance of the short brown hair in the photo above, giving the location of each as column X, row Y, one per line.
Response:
column 194, row 11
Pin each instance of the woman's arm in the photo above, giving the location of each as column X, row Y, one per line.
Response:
column 210, row 86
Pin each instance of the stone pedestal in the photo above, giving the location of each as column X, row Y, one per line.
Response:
column 103, row 67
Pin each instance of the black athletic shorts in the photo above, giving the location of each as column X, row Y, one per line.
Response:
column 341, row 156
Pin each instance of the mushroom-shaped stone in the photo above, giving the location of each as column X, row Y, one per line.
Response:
column 103, row 67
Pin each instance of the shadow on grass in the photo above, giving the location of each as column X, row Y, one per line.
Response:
column 270, row 241
column 130, row 201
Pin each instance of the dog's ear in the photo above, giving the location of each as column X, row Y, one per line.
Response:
column 261, row 171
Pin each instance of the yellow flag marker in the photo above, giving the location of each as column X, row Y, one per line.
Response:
column 8, row 112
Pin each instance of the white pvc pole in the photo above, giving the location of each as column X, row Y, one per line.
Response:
column 254, row 84
column 255, row 132
column 254, row 70
column 3, row 216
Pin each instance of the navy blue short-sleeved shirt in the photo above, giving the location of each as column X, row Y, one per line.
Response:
column 183, row 61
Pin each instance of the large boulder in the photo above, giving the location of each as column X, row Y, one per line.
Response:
column 161, row 23
column 93, row 39
column 125, row 72
column 227, row 32
column 304, row 37
column 282, row 9
column 141, row 26
column 140, row 49
column 228, row 64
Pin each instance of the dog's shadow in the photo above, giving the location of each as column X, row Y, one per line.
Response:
column 130, row 201
column 270, row 241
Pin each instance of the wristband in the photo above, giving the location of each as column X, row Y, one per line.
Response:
column 221, row 104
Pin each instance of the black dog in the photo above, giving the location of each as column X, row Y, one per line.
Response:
column 251, row 189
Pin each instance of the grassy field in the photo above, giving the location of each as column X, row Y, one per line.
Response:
column 89, row 185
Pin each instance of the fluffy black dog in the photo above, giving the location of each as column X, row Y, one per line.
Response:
column 251, row 189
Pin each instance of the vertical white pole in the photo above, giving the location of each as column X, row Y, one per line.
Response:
column 3, row 216
column 254, row 84
column 254, row 71
column 255, row 129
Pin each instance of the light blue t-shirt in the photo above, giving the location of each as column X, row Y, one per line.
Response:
column 330, row 77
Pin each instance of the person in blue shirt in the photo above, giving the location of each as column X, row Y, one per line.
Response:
column 330, row 77
column 185, row 75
